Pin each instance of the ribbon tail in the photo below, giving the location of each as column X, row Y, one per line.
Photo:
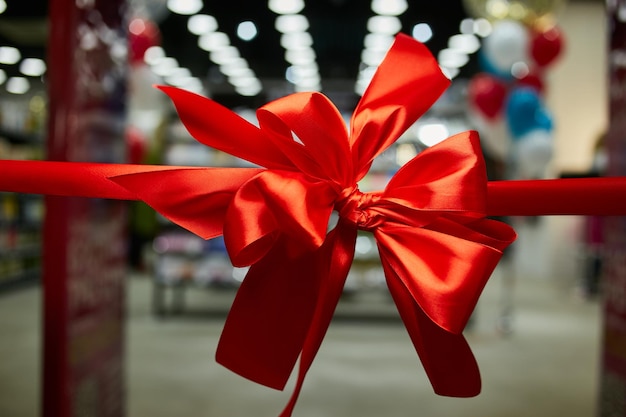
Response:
column 268, row 321
column 336, row 254
column 446, row 357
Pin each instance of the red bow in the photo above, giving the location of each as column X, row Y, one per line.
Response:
column 436, row 245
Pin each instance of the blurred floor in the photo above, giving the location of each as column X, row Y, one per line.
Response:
column 547, row 365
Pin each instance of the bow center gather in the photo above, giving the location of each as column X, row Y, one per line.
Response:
column 356, row 207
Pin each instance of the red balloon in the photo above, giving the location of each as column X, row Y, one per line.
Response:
column 142, row 35
column 546, row 46
column 487, row 94
column 532, row 80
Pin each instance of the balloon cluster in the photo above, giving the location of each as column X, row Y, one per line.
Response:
column 506, row 97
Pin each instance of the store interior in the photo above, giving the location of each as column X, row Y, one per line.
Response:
column 536, row 330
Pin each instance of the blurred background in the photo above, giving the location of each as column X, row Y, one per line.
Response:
column 530, row 76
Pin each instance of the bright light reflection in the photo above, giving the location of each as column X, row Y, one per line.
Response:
column 482, row 28
column 295, row 40
column 431, row 134
column 378, row 41
column 33, row 67
column 9, row 55
column 422, row 32
column 286, row 6
column 165, row 66
column 17, row 85
column 200, row 24
column 184, row 7
column 465, row 43
column 389, row 25
column 452, row 58
column 291, row 23
column 247, row 30
column 300, row 56
column 153, row 54
column 389, row 7
column 3, row 6
column 224, row 55
column 212, row 41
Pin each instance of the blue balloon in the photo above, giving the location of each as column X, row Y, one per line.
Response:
column 485, row 64
column 525, row 112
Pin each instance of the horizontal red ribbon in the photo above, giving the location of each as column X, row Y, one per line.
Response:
column 437, row 245
column 542, row 197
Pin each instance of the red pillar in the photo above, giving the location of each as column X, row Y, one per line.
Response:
column 85, row 239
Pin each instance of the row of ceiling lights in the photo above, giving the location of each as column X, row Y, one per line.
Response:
column 28, row 67
column 303, row 71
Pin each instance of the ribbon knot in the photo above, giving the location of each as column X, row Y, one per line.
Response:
column 355, row 206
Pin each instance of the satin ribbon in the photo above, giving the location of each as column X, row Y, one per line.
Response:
column 436, row 244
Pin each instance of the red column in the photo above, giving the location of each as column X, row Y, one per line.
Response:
column 85, row 239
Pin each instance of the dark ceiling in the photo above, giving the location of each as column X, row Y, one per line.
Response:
column 338, row 28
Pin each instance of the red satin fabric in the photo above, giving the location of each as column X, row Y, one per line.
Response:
column 436, row 244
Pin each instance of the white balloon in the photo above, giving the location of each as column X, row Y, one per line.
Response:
column 533, row 153
column 507, row 45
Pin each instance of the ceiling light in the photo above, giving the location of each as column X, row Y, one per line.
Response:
column 372, row 57
column 165, row 66
column 432, row 133
column 3, row 6
column 286, row 6
column 9, row 55
column 185, row 7
column 291, row 23
column 234, row 67
column 389, row 7
column 200, row 24
column 482, row 27
column 223, row 55
column 247, row 30
column 251, row 89
column 153, row 54
column 422, row 32
column 465, row 43
column 212, row 41
column 296, row 40
column 300, row 56
column 378, row 41
column 467, row 26
column 17, row 85
column 33, row 67
column 452, row 58
column 389, row 25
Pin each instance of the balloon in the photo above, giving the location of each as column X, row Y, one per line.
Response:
column 532, row 80
column 487, row 93
column 142, row 35
column 533, row 153
column 507, row 44
column 533, row 12
column 546, row 46
column 525, row 112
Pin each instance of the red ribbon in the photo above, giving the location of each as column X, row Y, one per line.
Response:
column 436, row 244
